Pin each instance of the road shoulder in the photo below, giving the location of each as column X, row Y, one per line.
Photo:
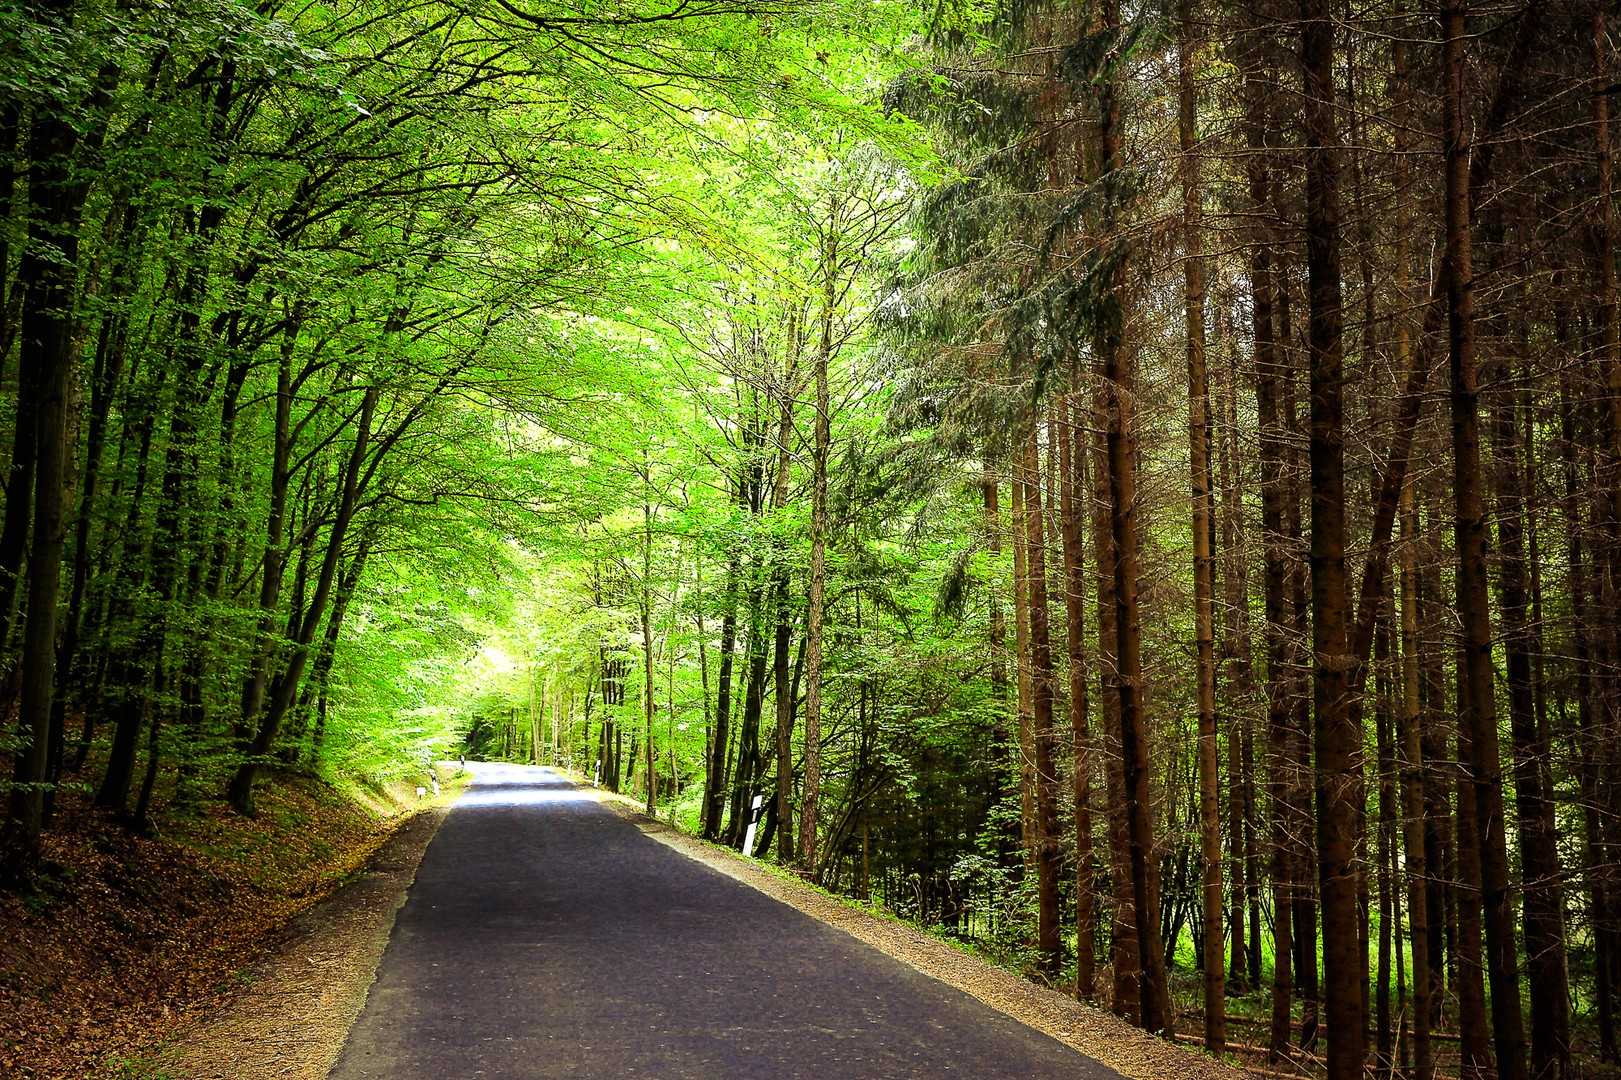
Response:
column 291, row 1021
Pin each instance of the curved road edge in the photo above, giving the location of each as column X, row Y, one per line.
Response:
column 1099, row 1035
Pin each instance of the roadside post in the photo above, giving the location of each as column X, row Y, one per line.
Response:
column 754, row 820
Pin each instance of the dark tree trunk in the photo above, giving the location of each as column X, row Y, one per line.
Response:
column 1338, row 736
column 749, row 763
column 1049, row 851
column 46, row 361
column 1415, row 854
column 1126, row 675
column 1544, row 916
column 1125, row 993
column 715, row 778
column 1002, row 740
column 1072, row 449
column 1478, row 708
column 1204, row 584
column 271, row 567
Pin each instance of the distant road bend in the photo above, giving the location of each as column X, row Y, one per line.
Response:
column 546, row 936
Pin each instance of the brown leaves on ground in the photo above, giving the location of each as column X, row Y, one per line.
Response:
column 126, row 937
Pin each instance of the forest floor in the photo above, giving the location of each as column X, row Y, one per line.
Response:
column 290, row 1024
column 128, row 939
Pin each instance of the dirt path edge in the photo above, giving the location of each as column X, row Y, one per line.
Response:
column 305, row 993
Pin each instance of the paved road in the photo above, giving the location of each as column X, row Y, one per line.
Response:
column 545, row 936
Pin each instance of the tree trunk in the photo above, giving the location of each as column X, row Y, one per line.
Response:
column 46, row 361
column 810, row 799
column 112, row 351
column 240, row 791
column 747, row 771
column 1410, row 738
column 1072, row 449
column 1338, row 736
column 1125, row 995
column 1048, row 845
column 1598, row 621
column 715, row 778
column 1474, row 1030
column 1384, row 1061
column 782, row 641
column 1127, row 675
column 1127, row 688
column 1204, row 586
column 1235, row 658
column 271, row 566
column 1544, row 902
column 1279, row 677
column 1409, row 726
column 1002, row 740
column 1021, row 643
column 1478, row 710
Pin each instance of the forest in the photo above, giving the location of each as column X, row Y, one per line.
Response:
column 1133, row 487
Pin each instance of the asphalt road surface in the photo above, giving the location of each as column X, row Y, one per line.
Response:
column 545, row 936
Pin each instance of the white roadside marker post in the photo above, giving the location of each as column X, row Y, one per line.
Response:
column 754, row 820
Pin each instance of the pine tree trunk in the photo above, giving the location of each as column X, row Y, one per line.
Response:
column 1072, row 455
column 1126, row 676
column 1440, row 835
column 1544, row 918
column 1609, row 292
column 1409, row 742
column 1021, row 639
column 1595, row 867
column 1235, row 659
column 1412, row 785
column 1125, row 993
column 1478, row 708
column 1384, row 854
column 1128, row 689
column 1601, row 618
column 1338, row 737
column 1468, row 975
column 1003, row 744
column 1204, row 588
column 1279, row 679
column 1303, row 868
column 1048, row 844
